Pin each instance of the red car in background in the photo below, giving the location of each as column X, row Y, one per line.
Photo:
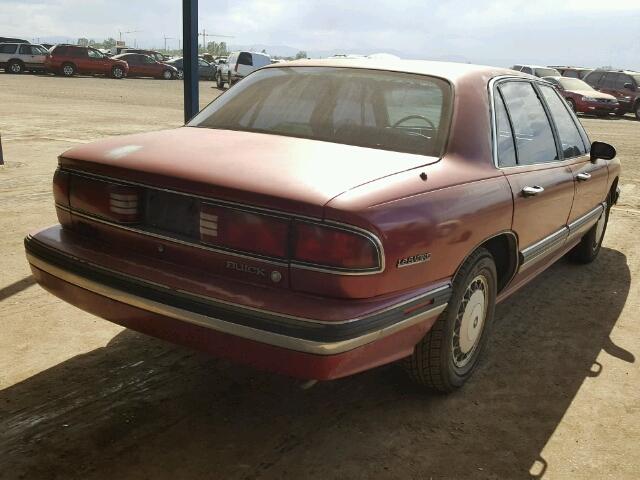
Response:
column 70, row 60
column 144, row 66
column 583, row 98
column 324, row 217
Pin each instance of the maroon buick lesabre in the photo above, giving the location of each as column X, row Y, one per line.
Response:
column 322, row 218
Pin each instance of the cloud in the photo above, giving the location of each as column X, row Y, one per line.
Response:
column 498, row 31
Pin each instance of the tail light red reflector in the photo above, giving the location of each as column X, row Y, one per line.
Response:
column 333, row 247
column 118, row 203
column 61, row 187
column 244, row 231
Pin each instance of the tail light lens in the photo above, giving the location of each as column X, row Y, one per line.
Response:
column 61, row 187
column 245, row 231
column 118, row 203
column 333, row 247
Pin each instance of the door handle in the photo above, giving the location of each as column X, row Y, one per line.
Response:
column 583, row 177
column 532, row 191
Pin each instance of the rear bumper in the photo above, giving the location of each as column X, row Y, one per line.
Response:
column 300, row 347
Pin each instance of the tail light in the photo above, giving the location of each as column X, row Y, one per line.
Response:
column 61, row 187
column 244, row 231
column 333, row 247
column 118, row 203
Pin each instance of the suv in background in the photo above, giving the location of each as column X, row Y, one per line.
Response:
column 573, row 72
column 239, row 65
column 68, row 60
column 622, row 84
column 537, row 70
column 18, row 57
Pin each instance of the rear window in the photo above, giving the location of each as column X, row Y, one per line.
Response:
column 7, row 48
column 547, row 72
column 376, row 109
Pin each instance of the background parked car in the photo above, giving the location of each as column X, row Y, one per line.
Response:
column 537, row 70
column 239, row 65
column 583, row 98
column 69, row 60
column 157, row 56
column 145, row 66
column 573, row 72
column 622, row 84
column 206, row 71
column 18, row 57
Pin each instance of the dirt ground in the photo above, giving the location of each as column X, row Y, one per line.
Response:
column 557, row 395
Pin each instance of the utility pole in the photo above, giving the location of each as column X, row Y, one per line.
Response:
column 1, row 156
column 204, row 36
column 190, row 58
column 165, row 41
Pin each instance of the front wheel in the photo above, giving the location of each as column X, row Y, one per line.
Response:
column 587, row 250
column 219, row 82
column 446, row 356
column 167, row 75
column 117, row 72
column 572, row 104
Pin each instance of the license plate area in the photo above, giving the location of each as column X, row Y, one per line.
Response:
column 172, row 213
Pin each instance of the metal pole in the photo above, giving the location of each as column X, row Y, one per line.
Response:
column 1, row 156
column 190, row 57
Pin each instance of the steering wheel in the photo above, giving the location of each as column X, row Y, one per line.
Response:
column 411, row 117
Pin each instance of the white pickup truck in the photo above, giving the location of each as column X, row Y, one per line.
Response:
column 239, row 65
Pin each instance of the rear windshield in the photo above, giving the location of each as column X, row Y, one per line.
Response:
column 547, row 72
column 369, row 108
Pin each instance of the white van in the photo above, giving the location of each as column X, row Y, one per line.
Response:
column 239, row 65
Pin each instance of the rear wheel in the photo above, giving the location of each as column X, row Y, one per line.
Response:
column 15, row 66
column 572, row 104
column 68, row 70
column 219, row 82
column 637, row 110
column 446, row 356
column 117, row 72
column 167, row 75
column 587, row 250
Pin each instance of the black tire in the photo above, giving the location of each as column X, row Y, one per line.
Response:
column 438, row 361
column 15, row 67
column 219, row 82
column 68, row 69
column 587, row 250
column 117, row 72
column 229, row 80
column 572, row 104
column 167, row 75
column 636, row 110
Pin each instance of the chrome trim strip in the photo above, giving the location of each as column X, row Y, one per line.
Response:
column 274, row 339
column 542, row 248
column 249, row 208
column 213, row 201
column 429, row 293
column 586, row 221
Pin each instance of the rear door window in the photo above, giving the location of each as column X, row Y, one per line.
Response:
column 609, row 81
column 504, row 134
column 534, row 137
column 570, row 138
column 77, row 52
column 26, row 50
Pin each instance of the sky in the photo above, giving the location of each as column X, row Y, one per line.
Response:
column 496, row 32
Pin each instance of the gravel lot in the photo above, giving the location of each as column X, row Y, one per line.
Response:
column 557, row 396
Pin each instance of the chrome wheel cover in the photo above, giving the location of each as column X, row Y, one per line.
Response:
column 167, row 74
column 15, row 68
column 117, row 72
column 67, row 70
column 470, row 321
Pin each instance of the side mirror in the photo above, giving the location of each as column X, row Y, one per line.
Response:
column 602, row 150
column 629, row 86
